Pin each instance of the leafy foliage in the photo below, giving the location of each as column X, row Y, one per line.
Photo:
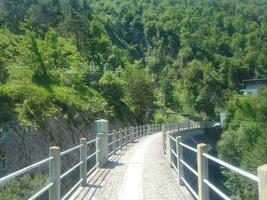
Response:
column 141, row 57
column 139, row 91
column 243, row 142
column 23, row 188
column 112, row 86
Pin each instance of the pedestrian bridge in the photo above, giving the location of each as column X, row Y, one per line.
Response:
column 138, row 163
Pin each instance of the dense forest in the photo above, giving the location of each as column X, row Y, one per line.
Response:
column 139, row 59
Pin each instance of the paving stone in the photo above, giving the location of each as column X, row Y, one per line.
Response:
column 138, row 172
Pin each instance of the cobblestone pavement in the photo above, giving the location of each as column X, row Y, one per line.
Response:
column 138, row 172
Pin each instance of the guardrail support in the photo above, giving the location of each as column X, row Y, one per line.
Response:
column 132, row 133
column 114, row 138
column 120, row 138
column 102, row 142
column 203, row 172
column 180, row 156
column 262, row 174
column 168, row 148
column 83, row 158
column 164, row 140
column 54, row 173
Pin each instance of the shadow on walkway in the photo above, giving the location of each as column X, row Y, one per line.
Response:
column 96, row 179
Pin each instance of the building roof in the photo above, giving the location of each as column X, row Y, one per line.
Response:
column 256, row 80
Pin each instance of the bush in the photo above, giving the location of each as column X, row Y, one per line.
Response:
column 23, row 187
column 112, row 86
column 139, row 92
column 244, row 141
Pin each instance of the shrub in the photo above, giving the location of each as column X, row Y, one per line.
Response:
column 112, row 86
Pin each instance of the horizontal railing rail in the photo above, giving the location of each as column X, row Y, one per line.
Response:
column 174, row 148
column 231, row 167
column 115, row 140
column 11, row 176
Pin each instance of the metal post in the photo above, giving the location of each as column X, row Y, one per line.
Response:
column 168, row 148
column 114, row 138
column 180, row 156
column 127, row 136
column 83, row 158
column 163, row 140
column 54, row 173
column 144, row 130
column 135, row 133
column 189, row 124
column 120, row 138
column 262, row 185
column 131, row 134
column 97, row 148
column 148, row 129
column 203, row 172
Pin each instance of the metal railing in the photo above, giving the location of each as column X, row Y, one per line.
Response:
column 176, row 153
column 116, row 140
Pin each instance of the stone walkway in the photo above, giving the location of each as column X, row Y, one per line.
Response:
column 138, row 172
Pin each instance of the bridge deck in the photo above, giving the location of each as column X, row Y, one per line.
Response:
column 139, row 171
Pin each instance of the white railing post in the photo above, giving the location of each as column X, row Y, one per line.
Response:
column 125, row 136
column 262, row 174
column 132, row 134
column 83, row 159
column 120, row 138
column 102, row 142
column 114, row 138
column 135, row 132
column 163, row 140
column 168, row 148
column 180, row 156
column 144, row 130
column 203, row 172
column 54, row 173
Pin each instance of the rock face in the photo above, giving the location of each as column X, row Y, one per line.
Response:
column 21, row 146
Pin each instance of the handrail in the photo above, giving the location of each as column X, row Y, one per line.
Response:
column 126, row 136
column 190, row 188
column 203, row 163
column 189, row 167
column 71, row 190
column 175, row 168
column 70, row 150
column 24, row 170
column 188, row 147
column 92, row 155
column 43, row 190
column 93, row 168
column 174, row 139
column 231, row 167
column 174, row 153
column 215, row 189
column 71, row 170
column 92, row 141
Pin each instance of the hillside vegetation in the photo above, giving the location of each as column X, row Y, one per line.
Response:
column 138, row 59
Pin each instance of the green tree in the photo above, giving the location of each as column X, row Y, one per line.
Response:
column 243, row 141
column 139, row 92
column 112, row 86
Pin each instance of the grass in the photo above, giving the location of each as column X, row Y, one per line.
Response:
column 35, row 100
